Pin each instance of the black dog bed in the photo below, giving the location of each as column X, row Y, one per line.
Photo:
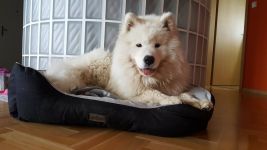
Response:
column 32, row 98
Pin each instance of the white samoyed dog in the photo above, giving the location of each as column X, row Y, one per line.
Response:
column 146, row 65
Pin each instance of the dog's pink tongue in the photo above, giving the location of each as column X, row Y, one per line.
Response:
column 147, row 72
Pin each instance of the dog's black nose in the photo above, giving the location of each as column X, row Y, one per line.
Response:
column 149, row 60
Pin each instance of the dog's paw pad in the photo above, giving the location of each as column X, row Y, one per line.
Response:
column 206, row 105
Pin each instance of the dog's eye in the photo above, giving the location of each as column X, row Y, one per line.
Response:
column 139, row 45
column 157, row 45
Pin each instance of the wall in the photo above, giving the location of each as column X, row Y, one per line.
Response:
column 255, row 61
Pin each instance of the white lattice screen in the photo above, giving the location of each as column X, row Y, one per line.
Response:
column 56, row 29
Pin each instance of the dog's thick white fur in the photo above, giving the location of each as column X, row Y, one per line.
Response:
column 146, row 65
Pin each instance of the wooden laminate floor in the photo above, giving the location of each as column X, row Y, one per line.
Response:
column 239, row 122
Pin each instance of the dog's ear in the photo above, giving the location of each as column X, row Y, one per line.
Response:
column 167, row 21
column 130, row 20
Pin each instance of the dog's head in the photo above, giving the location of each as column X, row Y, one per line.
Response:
column 149, row 40
column 148, row 51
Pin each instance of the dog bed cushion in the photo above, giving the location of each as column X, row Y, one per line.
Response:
column 32, row 98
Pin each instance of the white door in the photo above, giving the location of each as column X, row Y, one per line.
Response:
column 10, row 32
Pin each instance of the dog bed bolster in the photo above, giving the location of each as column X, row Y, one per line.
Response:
column 32, row 98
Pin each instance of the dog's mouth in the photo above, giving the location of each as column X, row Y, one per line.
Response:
column 144, row 71
column 147, row 71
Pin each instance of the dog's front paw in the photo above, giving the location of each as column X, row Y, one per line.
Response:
column 173, row 100
column 205, row 104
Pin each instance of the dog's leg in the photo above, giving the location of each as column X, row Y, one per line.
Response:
column 186, row 98
column 156, row 97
